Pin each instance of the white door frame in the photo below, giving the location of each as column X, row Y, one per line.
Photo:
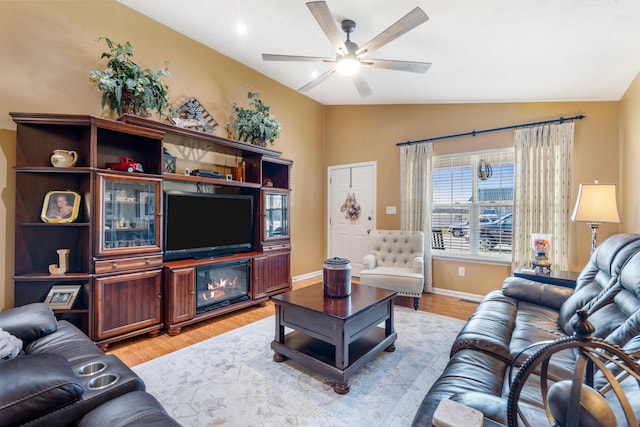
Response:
column 374, row 193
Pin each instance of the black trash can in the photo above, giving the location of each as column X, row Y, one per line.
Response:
column 336, row 277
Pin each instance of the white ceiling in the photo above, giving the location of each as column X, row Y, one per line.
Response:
column 481, row 50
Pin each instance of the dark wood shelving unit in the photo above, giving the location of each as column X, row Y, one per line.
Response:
column 213, row 181
column 96, row 142
column 127, row 290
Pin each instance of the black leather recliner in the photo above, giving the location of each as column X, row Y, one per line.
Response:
column 526, row 312
column 61, row 378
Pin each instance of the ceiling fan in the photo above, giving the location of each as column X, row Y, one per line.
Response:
column 349, row 57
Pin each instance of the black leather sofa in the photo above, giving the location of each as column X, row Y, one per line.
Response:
column 61, row 378
column 525, row 312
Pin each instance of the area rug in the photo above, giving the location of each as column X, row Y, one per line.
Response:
column 232, row 380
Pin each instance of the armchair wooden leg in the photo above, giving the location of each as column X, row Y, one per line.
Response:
column 415, row 302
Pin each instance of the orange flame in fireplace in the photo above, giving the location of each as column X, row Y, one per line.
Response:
column 219, row 288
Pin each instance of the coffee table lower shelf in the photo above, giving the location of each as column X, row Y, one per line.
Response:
column 319, row 355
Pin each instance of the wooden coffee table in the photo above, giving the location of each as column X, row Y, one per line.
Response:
column 334, row 336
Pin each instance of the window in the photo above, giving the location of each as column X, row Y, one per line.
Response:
column 472, row 205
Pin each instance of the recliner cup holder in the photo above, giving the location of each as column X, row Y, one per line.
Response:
column 103, row 381
column 91, row 368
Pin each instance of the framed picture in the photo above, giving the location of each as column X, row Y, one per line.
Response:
column 60, row 206
column 62, row 296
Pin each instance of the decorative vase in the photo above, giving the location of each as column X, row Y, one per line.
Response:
column 64, row 158
column 241, row 171
column 134, row 108
column 541, row 244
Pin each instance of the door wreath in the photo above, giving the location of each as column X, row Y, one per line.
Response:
column 351, row 207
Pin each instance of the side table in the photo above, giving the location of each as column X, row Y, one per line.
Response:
column 560, row 278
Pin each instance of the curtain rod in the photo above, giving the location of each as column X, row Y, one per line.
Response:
column 476, row 132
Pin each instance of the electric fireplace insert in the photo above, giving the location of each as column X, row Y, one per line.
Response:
column 219, row 285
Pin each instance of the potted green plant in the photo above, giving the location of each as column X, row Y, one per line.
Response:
column 256, row 125
column 128, row 88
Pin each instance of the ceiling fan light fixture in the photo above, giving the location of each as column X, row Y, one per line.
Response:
column 348, row 55
column 348, row 65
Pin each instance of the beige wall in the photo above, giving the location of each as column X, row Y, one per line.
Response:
column 630, row 157
column 367, row 133
column 48, row 49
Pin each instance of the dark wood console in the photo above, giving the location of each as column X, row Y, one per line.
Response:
column 115, row 241
column 180, row 289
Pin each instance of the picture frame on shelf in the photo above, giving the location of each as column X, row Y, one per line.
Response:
column 60, row 206
column 62, row 297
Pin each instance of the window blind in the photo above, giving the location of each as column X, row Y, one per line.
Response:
column 472, row 202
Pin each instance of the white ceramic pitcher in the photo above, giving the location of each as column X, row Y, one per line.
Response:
column 64, row 158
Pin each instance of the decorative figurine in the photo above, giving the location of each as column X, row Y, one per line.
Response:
column 63, row 257
column 125, row 164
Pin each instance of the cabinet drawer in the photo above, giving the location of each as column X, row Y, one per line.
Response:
column 125, row 264
column 274, row 246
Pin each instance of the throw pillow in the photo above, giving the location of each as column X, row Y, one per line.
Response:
column 10, row 346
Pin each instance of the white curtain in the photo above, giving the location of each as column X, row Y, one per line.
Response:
column 543, row 191
column 415, row 197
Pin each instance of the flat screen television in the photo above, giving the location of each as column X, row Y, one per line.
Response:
column 205, row 225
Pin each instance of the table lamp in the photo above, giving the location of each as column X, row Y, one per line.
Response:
column 596, row 203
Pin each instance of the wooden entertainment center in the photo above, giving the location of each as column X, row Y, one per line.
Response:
column 115, row 241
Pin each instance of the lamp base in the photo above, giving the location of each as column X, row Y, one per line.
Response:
column 594, row 227
column 541, row 263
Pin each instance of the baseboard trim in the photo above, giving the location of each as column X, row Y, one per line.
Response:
column 456, row 294
column 306, row 276
column 447, row 292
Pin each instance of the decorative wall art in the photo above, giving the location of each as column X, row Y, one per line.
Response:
column 351, row 208
column 60, row 206
column 192, row 115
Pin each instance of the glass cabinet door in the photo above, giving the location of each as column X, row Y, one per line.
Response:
column 129, row 214
column 276, row 214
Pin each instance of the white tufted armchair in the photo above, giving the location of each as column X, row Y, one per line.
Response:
column 395, row 261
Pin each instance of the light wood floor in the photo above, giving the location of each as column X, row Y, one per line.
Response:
column 142, row 349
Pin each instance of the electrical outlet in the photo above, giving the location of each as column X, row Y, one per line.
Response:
column 460, row 271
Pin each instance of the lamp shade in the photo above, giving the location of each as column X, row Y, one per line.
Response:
column 596, row 203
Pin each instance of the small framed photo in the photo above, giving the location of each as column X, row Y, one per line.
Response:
column 62, row 297
column 60, row 206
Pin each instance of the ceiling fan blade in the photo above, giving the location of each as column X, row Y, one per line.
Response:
column 321, row 12
column 361, row 85
column 270, row 57
column 315, row 82
column 400, row 27
column 410, row 66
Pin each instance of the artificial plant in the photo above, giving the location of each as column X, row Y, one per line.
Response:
column 128, row 88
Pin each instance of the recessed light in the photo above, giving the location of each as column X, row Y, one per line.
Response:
column 241, row 29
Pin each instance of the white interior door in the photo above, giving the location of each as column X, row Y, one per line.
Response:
column 352, row 199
